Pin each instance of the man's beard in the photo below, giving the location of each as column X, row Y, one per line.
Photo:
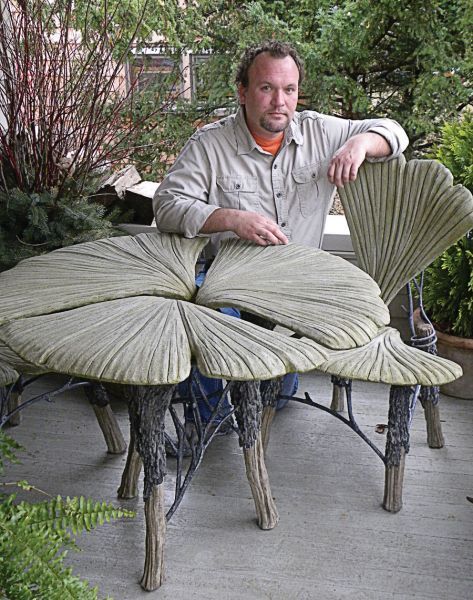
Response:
column 274, row 127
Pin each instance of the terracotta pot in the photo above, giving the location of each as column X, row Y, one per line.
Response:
column 460, row 350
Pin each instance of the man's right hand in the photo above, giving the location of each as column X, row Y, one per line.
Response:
column 247, row 226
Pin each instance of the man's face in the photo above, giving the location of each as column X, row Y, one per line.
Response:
column 271, row 96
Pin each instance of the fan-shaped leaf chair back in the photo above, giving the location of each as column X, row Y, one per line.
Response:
column 402, row 215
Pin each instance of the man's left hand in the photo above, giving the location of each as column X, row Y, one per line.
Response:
column 347, row 160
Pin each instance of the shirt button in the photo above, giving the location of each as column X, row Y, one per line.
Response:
column 237, row 186
column 283, row 224
column 275, row 166
column 278, row 195
column 314, row 175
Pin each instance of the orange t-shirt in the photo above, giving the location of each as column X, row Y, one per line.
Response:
column 271, row 146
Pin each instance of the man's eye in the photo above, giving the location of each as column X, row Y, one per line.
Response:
column 266, row 88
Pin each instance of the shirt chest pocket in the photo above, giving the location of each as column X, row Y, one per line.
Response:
column 306, row 181
column 237, row 191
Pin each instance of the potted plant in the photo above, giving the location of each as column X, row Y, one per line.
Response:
column 448, row 287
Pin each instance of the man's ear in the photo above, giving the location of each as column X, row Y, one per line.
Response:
column 241, row 94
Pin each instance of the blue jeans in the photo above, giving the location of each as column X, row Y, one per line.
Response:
column 213, row 389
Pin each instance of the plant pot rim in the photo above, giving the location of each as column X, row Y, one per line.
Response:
column 454, row 340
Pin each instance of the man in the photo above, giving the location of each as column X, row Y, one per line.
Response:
column 268, row 174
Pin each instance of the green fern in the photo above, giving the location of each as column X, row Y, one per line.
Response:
column 34, row 539
column 8, row 448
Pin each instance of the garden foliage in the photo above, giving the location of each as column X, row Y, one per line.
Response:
column 448, row 288
column 411, row 61
column 67, row 117
column 35, row 538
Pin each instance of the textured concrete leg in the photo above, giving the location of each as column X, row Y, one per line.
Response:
column 338, row 398
column 129, row 484
column 393, row 482
column 147, row 409
column 266, row 512
column 112, row 434
column 430, row 396
column 267, row 418
column 4, row 405
column 270, row 392
column 155, row 517
column 247, row 401
column 338, row 394
column 14, row 402
column 397, row 446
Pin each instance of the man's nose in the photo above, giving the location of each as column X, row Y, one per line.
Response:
column 278, row 98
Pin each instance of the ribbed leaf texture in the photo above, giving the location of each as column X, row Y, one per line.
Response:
column 146, row 264
column 387, row 359
column 235, row 349
column 155, row 342
column 133, row 340
column 11, row 362
column 309, row 291
column 140, row 325
column 402, row 215
column 121, row 310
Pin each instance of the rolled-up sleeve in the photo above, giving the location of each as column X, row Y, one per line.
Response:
column 338, row 131
column 394, row 134
column 180, row 203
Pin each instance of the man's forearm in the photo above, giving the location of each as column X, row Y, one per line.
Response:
column 220, row 220
column 375, row 144
column 246, row 225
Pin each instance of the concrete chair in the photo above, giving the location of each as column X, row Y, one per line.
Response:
column 401, row 216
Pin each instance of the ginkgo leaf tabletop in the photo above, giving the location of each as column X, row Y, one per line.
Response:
column 127, row 309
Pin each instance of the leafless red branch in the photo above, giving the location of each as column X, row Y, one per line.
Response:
column 64, row 96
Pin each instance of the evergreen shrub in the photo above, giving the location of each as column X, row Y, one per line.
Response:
column 448, row 284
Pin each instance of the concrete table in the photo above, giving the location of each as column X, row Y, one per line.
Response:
column 126, row 310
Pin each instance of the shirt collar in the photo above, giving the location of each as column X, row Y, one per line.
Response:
column 294, row 131
column 246, row 142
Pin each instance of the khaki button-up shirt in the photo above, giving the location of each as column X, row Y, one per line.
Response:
column 222, row 166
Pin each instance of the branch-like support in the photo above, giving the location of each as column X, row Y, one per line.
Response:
column 397, row 446
column 270, row 392
column 338, row 394
column 248, row 407
column 155, row 519
column 429, row 396
column 147, row 408
column 131, row 473
column 98, row 398
column 14, row 402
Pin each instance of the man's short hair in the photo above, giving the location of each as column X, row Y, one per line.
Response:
column 273, row 48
